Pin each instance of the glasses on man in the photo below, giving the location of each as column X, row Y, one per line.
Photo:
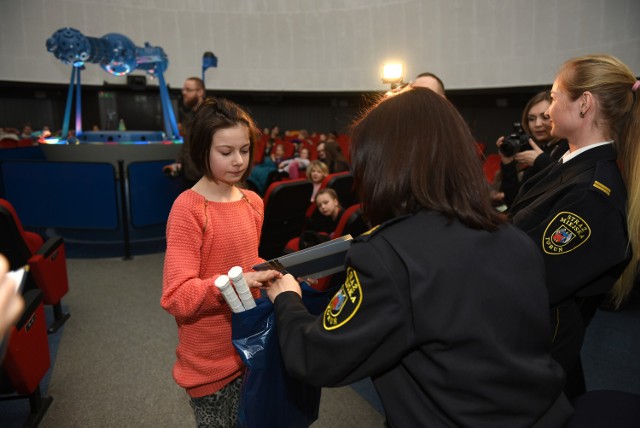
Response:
column 188, row 90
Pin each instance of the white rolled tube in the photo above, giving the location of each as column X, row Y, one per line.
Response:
column 235, row 273
column 224, row 285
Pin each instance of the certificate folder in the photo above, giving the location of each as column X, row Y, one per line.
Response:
column 314, row 262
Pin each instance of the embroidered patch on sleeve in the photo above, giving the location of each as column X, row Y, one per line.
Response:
column 345, row 303
column 565, row 233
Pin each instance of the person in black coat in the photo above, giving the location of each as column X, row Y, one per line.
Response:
column 444, row 304
column 520, row 165
column 575, row 209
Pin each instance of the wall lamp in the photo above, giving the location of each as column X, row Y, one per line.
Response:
column 393, row 74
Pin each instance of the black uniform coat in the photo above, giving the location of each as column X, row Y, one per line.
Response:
column 575, row 214
column 511, row 183
column 450, row 322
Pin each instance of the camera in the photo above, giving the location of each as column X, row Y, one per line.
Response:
column 517, row 141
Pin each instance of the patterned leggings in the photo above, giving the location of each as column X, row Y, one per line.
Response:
column 218, row 410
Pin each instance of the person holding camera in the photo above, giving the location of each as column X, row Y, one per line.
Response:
column 530, row 148
column 576, row 209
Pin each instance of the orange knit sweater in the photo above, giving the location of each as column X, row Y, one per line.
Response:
column 204, row 240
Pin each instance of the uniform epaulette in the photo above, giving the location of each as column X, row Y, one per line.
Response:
column 603, row 179
column 366, row 235
column 604, row 189
column 374, row 230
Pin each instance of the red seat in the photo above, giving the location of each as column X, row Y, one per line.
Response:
column 8, row 143
column 47, row 261
column 345, row 145
column 491, row 166
column 27, row 359
column 351, row 223
column 342, row 183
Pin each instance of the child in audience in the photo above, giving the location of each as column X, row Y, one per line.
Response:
column 316, row 172
column 324, row 220
column 293, row 166
column 329, row 209
column 212, row 227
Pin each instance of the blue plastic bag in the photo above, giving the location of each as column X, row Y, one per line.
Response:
column 270, row 397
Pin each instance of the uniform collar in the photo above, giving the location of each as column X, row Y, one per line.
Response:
column 570, row 155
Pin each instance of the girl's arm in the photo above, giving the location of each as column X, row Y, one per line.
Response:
column 184, row 294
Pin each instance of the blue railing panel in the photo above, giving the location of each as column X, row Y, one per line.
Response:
column 80, row 195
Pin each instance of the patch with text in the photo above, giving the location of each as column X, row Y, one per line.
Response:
column 345, row 303
column 566, row 232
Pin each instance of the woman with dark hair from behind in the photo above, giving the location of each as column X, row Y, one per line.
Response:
column 545, row 149
column 444, row 304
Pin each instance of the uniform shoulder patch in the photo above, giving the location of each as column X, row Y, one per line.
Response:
column 345, row 303
column 604, row 189
column 564, row 233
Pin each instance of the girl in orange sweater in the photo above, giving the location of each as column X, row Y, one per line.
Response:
column 212, row 227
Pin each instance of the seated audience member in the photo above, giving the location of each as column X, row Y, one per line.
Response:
column 322, row 223
column 265, row 173
column 301, row 140
column 7, row 134
column 27, row 132
column 444, row 345
column 292, row 167
column 331, row 154
column 330, row 212
column 316, row 172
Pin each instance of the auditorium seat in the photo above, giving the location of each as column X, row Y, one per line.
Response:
column 47, row 261
column 344, row 141
column 351, row 223
column 285, row 205
column 27, row 359
column 342, row 183
column 491, row 166
column 8, row 143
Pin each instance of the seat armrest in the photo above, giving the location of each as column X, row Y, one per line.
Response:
column 50, row 246
column 32, row 299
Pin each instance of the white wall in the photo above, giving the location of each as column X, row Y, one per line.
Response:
column 316, row 45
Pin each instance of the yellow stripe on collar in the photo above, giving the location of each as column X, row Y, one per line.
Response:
column 370, row 231
column 602, row 187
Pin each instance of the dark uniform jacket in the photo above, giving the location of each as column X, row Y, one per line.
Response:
column 576, row 215
column 511, row 183
column 449, row 322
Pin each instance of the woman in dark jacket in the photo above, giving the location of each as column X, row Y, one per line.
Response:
column 444, row 304
column 576, row 209
column 518, row 166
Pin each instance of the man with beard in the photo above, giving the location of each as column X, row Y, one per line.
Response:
column 193, row 92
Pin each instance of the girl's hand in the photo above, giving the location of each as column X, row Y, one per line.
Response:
column 261, row 279
column 528, row 157
column 286, row 283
